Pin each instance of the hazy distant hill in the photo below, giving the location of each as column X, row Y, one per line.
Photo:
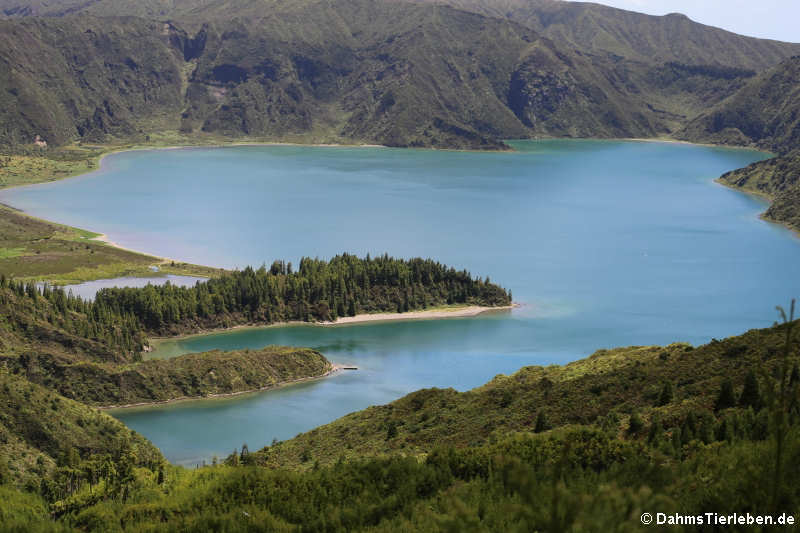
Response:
column 388, row 72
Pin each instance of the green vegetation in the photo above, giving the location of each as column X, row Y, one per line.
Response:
column 34, row 166
column 764, row 113
column 777, row 179
column 587, row 446
column 610, row 387
column 396, row 73
column 607, row 445
column 92, row 351
column 34, row 249
column 318, row 291
column 50, row 444
column 193, row 375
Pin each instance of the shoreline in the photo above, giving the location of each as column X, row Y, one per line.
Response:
column 222, row 395
column 425, row 314
column 103, row 238
column 466, row 311
column 767, row 198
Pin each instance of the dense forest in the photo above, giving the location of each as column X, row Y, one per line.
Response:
column 41, row 312
column 317, row 290
column 589, row 446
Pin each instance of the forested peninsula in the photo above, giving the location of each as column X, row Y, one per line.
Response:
column 92, row 350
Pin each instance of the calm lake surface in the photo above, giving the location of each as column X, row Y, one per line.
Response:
column 605, row 243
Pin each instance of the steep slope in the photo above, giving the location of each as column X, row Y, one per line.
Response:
column 642, row 429
column 766, row 114
column 42, row 432
column 85, row 77
column 387, row 72
column 671, row 65
column 434, row 76
column 586, row 26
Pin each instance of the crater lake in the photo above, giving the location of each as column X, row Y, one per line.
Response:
column 603, row 243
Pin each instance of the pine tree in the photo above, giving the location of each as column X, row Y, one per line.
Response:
column 751, row 396
column 726, row 397
column 666, row 394
column 635, row 424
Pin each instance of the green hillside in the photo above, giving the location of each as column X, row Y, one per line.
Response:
column 589, row 446
column 601, row 29
column 43, row 435
column 358, row 71
column 606, row 388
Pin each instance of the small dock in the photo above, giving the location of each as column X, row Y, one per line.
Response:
column 349, row 368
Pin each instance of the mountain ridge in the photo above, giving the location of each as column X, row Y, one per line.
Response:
column 458, row 74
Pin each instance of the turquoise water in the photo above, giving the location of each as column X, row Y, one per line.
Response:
column 605, row 243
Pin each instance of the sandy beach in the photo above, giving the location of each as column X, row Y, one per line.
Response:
column 455, row 312
column 105, row 240
column 430, row 314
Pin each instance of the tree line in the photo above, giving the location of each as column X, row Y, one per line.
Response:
column 318, row 290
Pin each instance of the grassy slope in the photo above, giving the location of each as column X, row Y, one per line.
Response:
column 621, row 380
column 36, row 249
column 635, row 36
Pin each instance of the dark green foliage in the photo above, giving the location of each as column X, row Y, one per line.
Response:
column 666, row 394
column 60, row 451
column 635, row 423
column 580, row 476
column 314, row 293
column 726, row 397
column 595, row 390
column 391, row 430
column 92, row 353
column 192, row 375
column 542, row 424
column 44, row 313
column 750, row 397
